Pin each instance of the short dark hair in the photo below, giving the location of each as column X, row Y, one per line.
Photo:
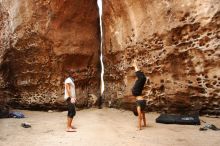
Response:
column 77, row 71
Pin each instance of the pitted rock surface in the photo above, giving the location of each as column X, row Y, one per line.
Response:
column 176, row 44
column 42, row 40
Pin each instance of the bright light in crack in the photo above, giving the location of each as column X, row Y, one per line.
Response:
column 99, row 2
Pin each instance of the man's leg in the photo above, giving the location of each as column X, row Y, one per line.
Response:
column 144, row 119
column 70, row 115
column 69, row 122
column 139, row 117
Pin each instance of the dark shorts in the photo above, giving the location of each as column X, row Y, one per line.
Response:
column 71, row 108
column 141, row 104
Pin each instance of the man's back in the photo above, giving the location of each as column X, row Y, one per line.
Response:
column 69, row 82
column 139, row 83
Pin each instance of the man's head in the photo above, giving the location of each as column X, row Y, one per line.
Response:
column 73, row 73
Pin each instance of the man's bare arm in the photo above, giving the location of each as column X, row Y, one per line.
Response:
column 67, row 85
column 134, row 64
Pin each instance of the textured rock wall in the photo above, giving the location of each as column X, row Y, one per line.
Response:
column 177, row 45
column 4, row 44
column 41, row 40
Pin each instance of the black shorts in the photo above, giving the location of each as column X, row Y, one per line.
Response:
column 71, row 108
column 142, row 104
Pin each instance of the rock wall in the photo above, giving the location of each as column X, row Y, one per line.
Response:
column 176, row 44
column 40, row 42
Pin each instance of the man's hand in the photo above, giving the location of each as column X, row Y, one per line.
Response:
column 134, row 64
column 73, row 100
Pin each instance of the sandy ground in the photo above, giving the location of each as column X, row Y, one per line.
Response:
column 102, row 127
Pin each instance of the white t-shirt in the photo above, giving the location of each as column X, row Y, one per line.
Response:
column 72, row 88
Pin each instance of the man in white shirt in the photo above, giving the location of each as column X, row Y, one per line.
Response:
column 70, row 98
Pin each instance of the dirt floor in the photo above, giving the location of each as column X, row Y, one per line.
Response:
column 102, row 127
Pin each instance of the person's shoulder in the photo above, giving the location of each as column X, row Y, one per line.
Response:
column 139, row 72
column 68, row 80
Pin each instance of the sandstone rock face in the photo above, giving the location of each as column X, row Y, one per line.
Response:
column 177, row 46
column 40, row 41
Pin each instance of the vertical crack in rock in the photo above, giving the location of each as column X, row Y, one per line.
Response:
column 99, row 2
column 101, row 46
column 102, row 86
